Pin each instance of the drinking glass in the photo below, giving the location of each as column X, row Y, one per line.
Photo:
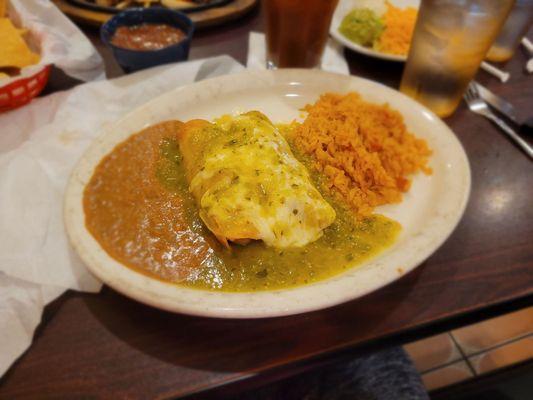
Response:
column 515, row 27
column 450, row 40
column 297, row 31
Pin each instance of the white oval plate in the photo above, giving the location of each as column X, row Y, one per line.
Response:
column 428, row 213
column 344, row 7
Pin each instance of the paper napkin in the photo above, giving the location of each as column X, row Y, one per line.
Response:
column 333, row 59
column 39, row 146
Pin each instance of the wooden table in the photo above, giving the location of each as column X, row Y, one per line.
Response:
column 107, row 346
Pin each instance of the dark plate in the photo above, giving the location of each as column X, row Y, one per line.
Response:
column 200, row 7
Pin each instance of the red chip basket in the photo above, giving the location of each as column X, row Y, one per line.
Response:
column 20, row 92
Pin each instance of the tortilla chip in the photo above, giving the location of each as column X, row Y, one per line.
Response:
column 14, row 52
column 3, row 8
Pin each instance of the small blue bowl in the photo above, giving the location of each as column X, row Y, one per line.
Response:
column 134, row 60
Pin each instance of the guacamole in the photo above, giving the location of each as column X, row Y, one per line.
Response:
column 362, row 26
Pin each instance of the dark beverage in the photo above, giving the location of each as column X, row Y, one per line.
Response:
column 297, row 31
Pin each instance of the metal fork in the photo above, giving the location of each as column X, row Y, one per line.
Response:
column 479, row 106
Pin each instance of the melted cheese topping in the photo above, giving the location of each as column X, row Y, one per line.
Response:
column 250, row 175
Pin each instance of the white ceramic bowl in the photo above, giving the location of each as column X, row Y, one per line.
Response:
column 428, row 213
column 344, row 7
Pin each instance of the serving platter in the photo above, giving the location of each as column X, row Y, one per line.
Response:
column 191, row 7
column 344, row 7
column 218, row 13
column 428, row 214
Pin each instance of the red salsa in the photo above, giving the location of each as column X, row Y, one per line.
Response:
column 147, row 36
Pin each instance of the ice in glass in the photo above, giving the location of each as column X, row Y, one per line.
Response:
column 516, row 26
column 450, row 40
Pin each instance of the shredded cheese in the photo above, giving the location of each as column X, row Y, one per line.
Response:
column 399, row 25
